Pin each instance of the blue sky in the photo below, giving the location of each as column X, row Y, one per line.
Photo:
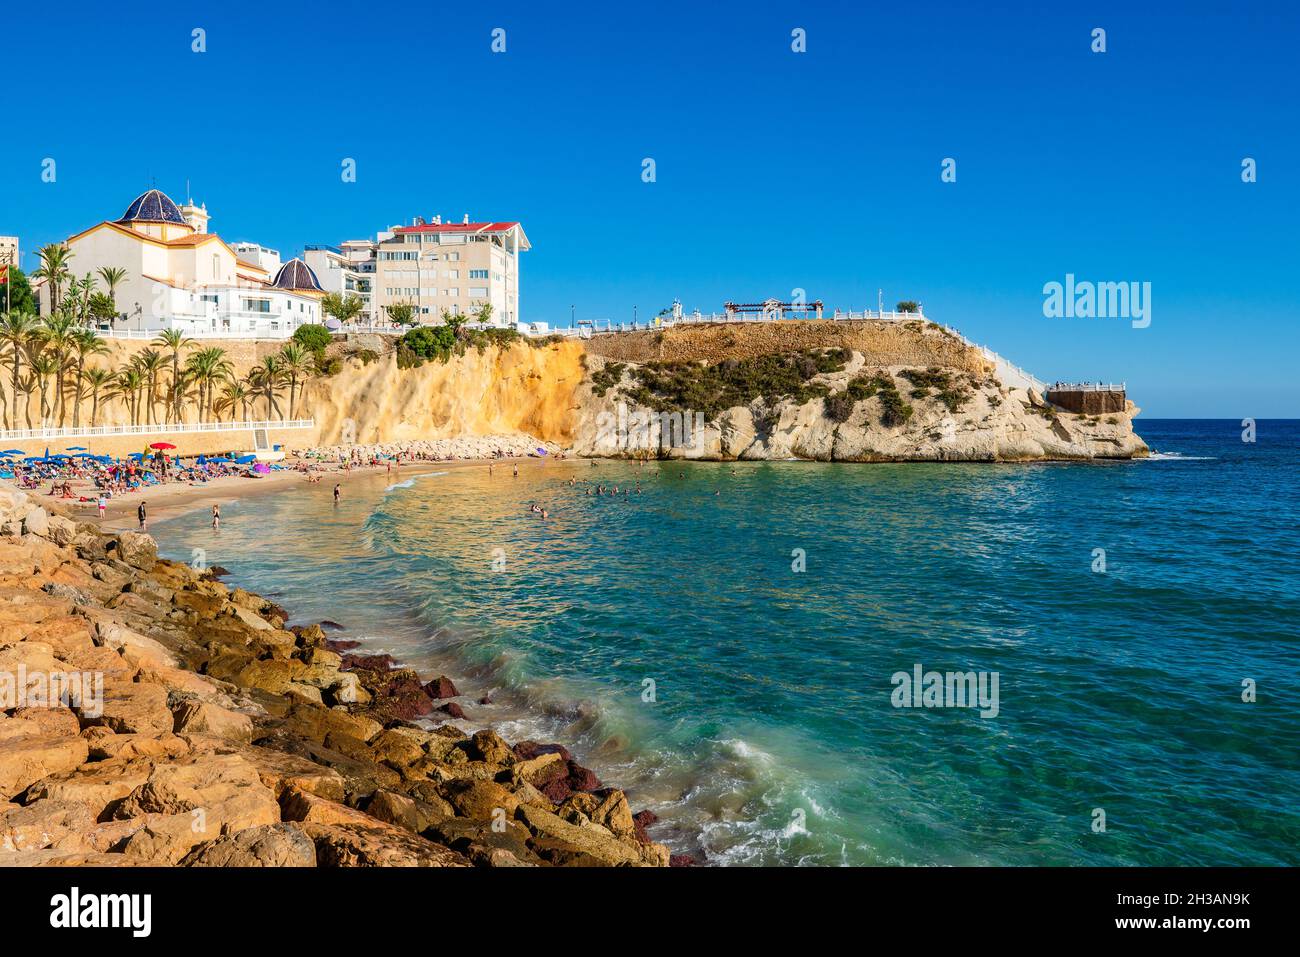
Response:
column 775, row 170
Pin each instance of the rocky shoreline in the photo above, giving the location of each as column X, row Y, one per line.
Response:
column 152, row 715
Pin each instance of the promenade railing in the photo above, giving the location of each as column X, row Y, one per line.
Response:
column 111, row 431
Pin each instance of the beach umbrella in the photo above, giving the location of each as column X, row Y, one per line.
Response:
column 77, row 448
column 162, row 445
column 13, row 451
column 245, row 459
column 218, row 458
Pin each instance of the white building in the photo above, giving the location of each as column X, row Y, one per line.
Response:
column 180, row 276
column 347, row 270
column 456, row 267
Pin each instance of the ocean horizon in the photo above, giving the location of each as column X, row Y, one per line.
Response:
column 725, row 640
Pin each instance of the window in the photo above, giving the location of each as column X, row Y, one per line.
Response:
column 256, row 305
column 453, row 257
column 478, row 291
column 453, row 292
column 453, row 273
column 478, row 274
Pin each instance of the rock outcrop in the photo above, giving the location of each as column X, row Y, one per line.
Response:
column 851, row 392
column 149, row 715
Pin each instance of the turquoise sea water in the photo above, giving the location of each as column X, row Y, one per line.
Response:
column 770, row 736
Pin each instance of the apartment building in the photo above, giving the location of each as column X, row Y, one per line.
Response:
column 437, row 266
column 348, row 270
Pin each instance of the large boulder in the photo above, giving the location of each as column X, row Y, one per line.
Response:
column 137, row 550
column 204, row 717
column 268, row 845
column 380, row 845
column 25, row 761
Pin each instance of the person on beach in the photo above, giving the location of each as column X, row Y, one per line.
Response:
column 216, row 516
column 489, row 470
column 516, row 470
column 101, row 503
column 142, row 514
column 338, row 493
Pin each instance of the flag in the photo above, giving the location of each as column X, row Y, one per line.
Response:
column 4, row 275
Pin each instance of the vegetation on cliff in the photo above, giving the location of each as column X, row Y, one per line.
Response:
column 712, row 389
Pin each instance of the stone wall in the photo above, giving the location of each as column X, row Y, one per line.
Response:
column 1083, row 402
column 885, row 343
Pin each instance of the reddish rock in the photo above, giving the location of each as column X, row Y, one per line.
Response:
column 681, row 860
column 486, row 699
column 452, row 709
column 526, row 750
column 556, row 790
column 441, row 687
column 642, row 820
column 404, row 698
column 340, row 644
column 582, row 779
column 367, row 662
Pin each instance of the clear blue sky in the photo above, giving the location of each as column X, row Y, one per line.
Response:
column 775, row 170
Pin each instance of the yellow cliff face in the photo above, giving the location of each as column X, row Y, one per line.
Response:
column 521, row 389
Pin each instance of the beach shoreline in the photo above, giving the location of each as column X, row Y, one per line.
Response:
column 301, row 750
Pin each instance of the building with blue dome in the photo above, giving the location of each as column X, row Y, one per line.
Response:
column 179, row 275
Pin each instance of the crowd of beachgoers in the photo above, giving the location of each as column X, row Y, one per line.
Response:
column 78, row 476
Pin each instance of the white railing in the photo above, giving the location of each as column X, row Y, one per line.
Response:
column 602, row 326
column 1088, row 387
column 106, row 431
column 1010, row 373
column 150, row 334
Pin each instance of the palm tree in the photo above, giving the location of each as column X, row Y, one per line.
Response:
column 44, row 365
column 112, row 276
column 16, row 332
column 207, row 367
column 266, row 378
column 77, row 302
column 96, row 378
column 85, row 343
column 234, row 394
column 130, row 380
column 54, row 270
column 58, row 333
column 151, row 362
column 294, row 365
column 174, row 340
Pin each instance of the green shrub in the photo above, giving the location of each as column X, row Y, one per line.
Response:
column 710, row 389
column 950, row 393
column 607, row 378
column 839, row 406
column 427, row 343
column 312, row 337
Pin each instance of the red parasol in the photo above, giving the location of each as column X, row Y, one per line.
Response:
column 162, row 445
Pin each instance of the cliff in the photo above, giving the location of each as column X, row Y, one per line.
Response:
column 827, row 391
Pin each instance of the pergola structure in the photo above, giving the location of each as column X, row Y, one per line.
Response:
column 774, row 309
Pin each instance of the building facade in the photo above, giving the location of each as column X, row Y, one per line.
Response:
column 452, row 267
column 347, row 270
column 181, row 276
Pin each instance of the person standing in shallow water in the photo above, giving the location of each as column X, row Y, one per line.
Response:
column 338, row 493
column 216, row 517
column 143, row 515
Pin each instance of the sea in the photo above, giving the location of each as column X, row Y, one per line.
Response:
column 797, row 663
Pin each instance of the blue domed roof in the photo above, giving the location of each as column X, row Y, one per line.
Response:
column 296, row 274
column 153, row 206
